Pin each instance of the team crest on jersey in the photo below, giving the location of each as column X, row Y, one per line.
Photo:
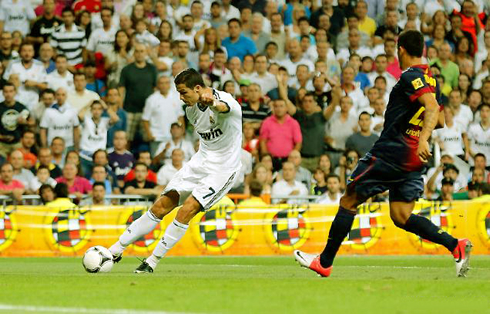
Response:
column 417, row 83
column 211, row 120
column 147, row 242
column 367, row 228
column 68, row 230
column 438, row 213
column 216, row 229
column 8, row 229
column 289, row 228
column 483, row 223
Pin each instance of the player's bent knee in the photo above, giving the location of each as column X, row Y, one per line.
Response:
column 190, row 209
column 349, row 202
column 165, row 204
column 399, row 219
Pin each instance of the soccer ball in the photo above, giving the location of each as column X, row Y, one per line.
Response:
column 97, row 259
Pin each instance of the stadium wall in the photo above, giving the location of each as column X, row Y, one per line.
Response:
column 231, row 230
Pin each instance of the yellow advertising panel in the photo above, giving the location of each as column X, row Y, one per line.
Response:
column 232, row 230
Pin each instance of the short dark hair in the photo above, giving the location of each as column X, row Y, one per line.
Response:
column 413, row 42
column 61, row 190
column 480, row 155
column 43, row 167
column 98, row 184
column 60, row 56
column 364, row 113
column 79, row 73
column 47, row 91
column 141, row 164
column 332, row 175
column 68, row 9
column 9, row 84
column 190, row 78
column 236, row 21
column 303, row 19
column 256, row 188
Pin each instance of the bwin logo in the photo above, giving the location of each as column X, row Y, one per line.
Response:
column 212, row 134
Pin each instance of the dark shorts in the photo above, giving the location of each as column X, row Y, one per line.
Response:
column 373, row 176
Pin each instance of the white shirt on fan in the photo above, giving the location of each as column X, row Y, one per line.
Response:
column 60, row 121
column 94, row 136
column 16, row 16
column 101, row 40
column 161, row 111
column 452, row 138
column 55, row 81
column 220, row 134
column 479, row 140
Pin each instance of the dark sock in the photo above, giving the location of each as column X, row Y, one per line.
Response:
column 424, row 228
column 341, row 226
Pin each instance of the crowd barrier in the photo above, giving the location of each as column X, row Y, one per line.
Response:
column 228, row 229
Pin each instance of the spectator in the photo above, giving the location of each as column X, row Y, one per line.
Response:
column 21, row 174
column 7, row 53
column 288, row 186
column 280, row 134
column 141, row 186
column 45, row 159
column 44, row 26
column 74, row 158
column 447, row 190
column 102, row 39
column 262, row 77
column 46, row 54
column 342, row 40
column 238, row 45
column 354, row 47
column 114, row 104
column 166, row 172
column 366, row 23
column 325, row 164
column 8, row 185
column 320, row 185
column 479, row 134
column 30, row 73
column 101, row 158
column 296, row 58
column 254, row 201
column 58, row 151
column 69, row 39
column 229, row 11
column 77, row 185
column 120, row 159
column 341, row 125
column 137, row 82
column 450, row 138
column 143, row 36
column 46, row 193
column 312, row 121
column 462, row 114
column 363, row 140
column 381, row 62
column 80, row 98
column 99, row 174
column 60, row 120
column 61, row 197
column 449, row 69
column 116, row 59
column 449, row 171
column 94, row 132
column 98, row 196
column 255, row 110
column 162, row 109
column 16, row 16
column 15, row 118
column 197, row 14
column 42, row 177
column 282, row 77
column 347, row 164
column 256, row 33
column 61, row 78
column 263, row 175
column 47, row 100
column 333, row 194
column 143, row 157
column 93, row 84
column 164, row 151
column 216, row 19
column 27, row 148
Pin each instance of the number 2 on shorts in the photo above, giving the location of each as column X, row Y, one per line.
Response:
column 208, row 195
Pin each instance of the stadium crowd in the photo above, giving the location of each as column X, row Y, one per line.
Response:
column 88, row 98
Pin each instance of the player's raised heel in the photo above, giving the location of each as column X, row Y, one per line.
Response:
column 462, row 257
column 312, row 262
column 116, row 258
column 143, row 268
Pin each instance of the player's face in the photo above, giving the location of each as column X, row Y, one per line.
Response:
column 189, row 96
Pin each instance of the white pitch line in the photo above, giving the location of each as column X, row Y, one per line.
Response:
column 52, row 309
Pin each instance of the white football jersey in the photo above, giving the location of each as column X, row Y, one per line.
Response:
column 479, row 140
column 220, row 134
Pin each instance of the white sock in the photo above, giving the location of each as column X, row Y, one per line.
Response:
column 138, row 228
column 174, row 232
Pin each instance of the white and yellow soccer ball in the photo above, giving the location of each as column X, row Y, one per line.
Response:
column 97, row 259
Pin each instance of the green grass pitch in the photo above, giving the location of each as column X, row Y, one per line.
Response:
column 381, row 284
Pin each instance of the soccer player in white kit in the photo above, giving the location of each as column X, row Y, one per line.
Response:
column 205, row 179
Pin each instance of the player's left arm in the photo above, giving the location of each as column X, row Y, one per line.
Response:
column 207, row 98
column 431, row 118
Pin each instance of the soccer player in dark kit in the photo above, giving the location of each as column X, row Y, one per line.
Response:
column 396, row 162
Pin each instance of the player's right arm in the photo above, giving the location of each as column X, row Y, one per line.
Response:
column 431, row 118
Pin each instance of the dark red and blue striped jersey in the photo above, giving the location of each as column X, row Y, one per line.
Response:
column 404, row 119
